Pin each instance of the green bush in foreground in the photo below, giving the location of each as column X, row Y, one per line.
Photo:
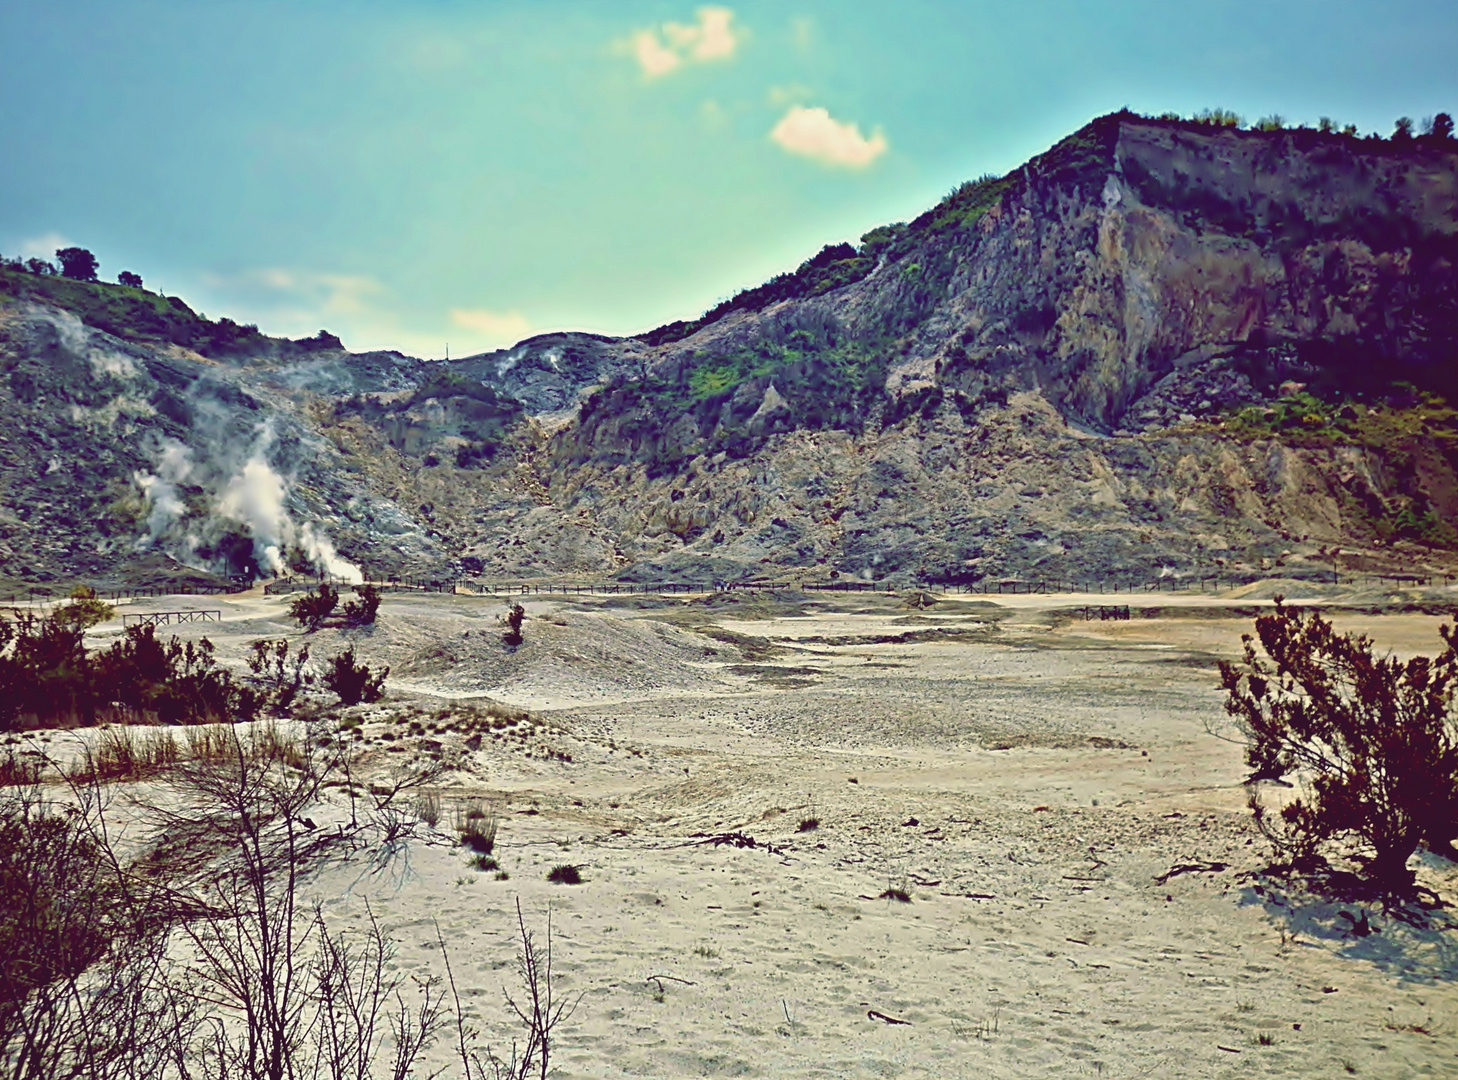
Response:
column 1374, row 739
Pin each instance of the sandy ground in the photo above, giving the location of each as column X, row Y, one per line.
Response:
column 1025, row 775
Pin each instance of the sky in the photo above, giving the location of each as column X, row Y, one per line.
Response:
column 442, row 174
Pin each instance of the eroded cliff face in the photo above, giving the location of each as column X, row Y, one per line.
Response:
column 1032, row 379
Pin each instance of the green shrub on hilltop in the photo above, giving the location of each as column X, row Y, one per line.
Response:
column 132, row 313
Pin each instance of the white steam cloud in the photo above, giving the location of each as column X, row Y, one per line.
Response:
column 254, row 498
column 251, row 499
column 160, row 490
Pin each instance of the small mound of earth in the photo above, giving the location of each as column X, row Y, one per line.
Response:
column 576, row 657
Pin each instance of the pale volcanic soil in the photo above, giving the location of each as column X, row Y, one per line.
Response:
column 1024, row 775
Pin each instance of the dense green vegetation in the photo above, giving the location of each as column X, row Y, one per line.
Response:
column 133, row 314
column 823, row 377
column 47, row 675
column 1414, row 432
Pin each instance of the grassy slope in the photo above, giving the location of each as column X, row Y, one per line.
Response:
column 132, row 314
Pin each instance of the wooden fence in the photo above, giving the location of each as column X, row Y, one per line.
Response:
column 985, row 587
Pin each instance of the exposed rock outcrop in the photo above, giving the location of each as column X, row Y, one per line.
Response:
column 1041, row 376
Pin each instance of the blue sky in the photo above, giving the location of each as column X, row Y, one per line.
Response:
column 412, row 174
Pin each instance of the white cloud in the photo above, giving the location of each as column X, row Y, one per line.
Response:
column 814, row 134
column 669, row 47
column 43, row 247
column 653, row 57
column 499, row 328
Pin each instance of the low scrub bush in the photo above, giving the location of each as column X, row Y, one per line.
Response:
column 353, row 682
column 515, row 615
column 362, row 611
column 1374, row 741
column 48, row 676
column 566, row 874
column 311, row 609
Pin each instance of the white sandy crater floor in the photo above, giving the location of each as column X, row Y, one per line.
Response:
column 1024, row 783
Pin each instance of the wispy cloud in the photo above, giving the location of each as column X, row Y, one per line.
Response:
column 358, row 308
column 815, row 134
column 495, row 327
column 667, row 48
column 300, row 296
column 43, row 247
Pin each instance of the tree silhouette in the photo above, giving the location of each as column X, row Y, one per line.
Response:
column 77, row 263
column 1443, row 126
column 126, row 277
column 1402, row 131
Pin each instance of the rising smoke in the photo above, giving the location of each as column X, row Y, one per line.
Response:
column 204, row 507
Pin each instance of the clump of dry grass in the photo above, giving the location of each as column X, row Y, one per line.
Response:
column 476, row 826
column 128, row 752
column 428, row 808
column 566, row 874
column 122, row 752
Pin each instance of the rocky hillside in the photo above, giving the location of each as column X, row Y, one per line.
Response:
column 1159, row 348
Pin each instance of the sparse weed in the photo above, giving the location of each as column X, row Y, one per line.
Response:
column 565, row 874
column 808, row 824
column 476, row 826
column 900, row 892
column 427, row 808
column 484, row 863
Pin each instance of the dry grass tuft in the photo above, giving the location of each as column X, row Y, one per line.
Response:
column 476, row 826
column 428, row 808
column 566, row 874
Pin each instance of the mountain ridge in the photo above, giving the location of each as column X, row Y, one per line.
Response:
column 1037, row 376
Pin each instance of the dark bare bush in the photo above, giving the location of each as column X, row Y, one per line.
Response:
column 353, row 682
column 94, row 982
column 307, row 1000
column 1374, row 741
column 539, row 1012
column 311, row 609
column 515, row 616
column 83, row 978
column 280, row 677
